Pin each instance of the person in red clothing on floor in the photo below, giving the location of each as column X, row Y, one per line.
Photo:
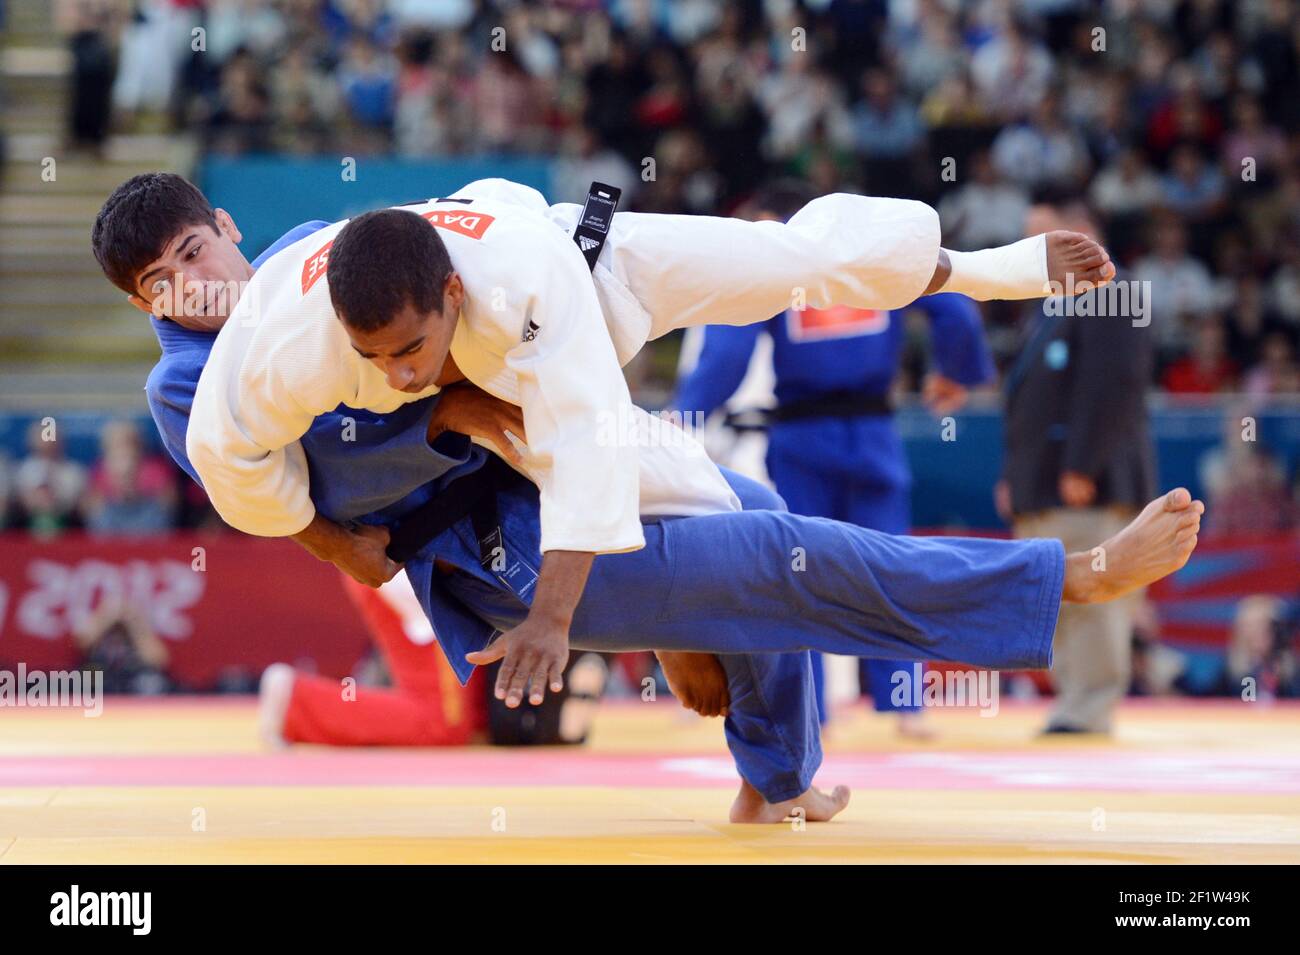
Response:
column 427, row 706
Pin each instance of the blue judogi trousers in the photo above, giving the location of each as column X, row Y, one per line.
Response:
column 854, row 470
column 762, row 588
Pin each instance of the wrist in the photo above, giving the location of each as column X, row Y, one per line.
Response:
column 552, row 615
column 320, row 538
column 436, row 428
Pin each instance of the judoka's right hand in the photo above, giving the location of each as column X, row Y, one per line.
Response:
column 534, row 653
column 1076, row 490
column 468, row 410
column 942, row 395
column 365, row 558
column 533, row 656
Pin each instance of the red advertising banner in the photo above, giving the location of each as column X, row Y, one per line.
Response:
column 213, row 600
column 1198, row 605
column 223, row 600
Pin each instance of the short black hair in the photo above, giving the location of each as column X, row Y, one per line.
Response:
column 383, row 261
column 140, row 218
column 782, row 197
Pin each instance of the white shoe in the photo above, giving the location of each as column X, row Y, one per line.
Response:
column 273, row 703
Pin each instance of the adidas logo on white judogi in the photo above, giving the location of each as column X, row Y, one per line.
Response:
column 586, row 244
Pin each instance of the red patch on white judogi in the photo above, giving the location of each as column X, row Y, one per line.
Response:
column 315, row 266
column 838, row 321
column 472, row 224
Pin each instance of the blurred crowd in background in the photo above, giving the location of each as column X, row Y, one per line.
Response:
column 1177, row 122
column 1171, row 126
column 130, row 488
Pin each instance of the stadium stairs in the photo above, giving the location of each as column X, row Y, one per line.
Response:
column 68, row 339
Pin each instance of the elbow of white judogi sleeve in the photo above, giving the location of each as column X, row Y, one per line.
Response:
column 265, row 494
column 259, row 485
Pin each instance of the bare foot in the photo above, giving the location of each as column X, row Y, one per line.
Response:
column 1074, row 261
column 817, row 806
column 1156, row 543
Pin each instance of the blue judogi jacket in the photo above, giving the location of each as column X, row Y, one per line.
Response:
column 818, row 352
column 401, row 472
column 858, row 352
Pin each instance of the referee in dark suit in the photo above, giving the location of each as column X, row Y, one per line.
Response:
column 1079, row 465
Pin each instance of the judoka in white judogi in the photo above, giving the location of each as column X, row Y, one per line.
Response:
column 540, row 330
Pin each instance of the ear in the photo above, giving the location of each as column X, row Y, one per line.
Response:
column 227, row 226
column 140, row 303
column 453, row 295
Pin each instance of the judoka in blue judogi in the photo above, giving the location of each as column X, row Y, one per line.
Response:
column 758, row 588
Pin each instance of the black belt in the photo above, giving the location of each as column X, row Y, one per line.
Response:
column 475, row 495
column 832, row 404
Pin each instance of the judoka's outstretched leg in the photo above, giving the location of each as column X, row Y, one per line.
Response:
column 839, row 249
column 757, row 582
column 980, row 601
column 762, row 581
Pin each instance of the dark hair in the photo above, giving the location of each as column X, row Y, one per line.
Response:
column 782, row 197
column 140, row 218
column 383, row 261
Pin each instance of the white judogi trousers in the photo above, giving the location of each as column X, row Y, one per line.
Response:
column 682, row 271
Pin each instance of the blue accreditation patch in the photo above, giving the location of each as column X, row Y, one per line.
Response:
column 1057, row 354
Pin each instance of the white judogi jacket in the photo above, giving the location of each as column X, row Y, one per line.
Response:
column 283, row 358
column 540, row 330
